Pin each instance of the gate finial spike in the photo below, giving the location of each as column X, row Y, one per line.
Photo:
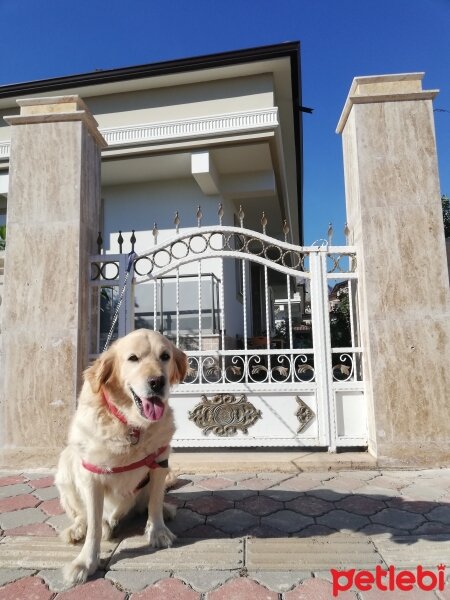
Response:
column 285, row 230
column 99, row 243
column 155, row 232
column 132, row 240
column 346, row 232
column 264, row 222
column 220, row 213
column 329, row 233
column 199, row 216
column 177, row 222
column 241, row 215
column 120, row 241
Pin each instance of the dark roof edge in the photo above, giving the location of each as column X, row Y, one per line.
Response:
column 209, row 61
column 153, row 69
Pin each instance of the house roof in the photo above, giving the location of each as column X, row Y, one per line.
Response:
column 179, row 71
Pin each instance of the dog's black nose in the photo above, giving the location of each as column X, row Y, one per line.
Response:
column 157, row 383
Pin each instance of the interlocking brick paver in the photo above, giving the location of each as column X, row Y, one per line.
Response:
column 242, row 588
column 15, row 490
column 316, row 589
column 309, row 505
column 259, row 505
column 204, row 581
column 326, row 494
column 18, row 502
column 135, row 581
column 344, row 485
column 54, row 578
column 431, row 528
column 11, row 480
column 42, row 482
column 411, row 505
column 208, row 505
column 378, row 529
column 10, row 575
column 279, row 581
column 399, row 519
column 215, row 483
column 389, row 482
column 28, row 588
column 185, row 519
column 100, row 589
column 296, row 484
column 424, row 490
column 46, row 493
column 276, row 493
column 59, row 522
column 52, row 507
column 33, row 529
column 287, row 521
column 256, row 483
column 234, row 494
column 167, row 588
column 24, row 516
column 315, row 530
column 188, row 492
column 361, row 505
column 341, row 519
column 206, row 532
column 441, row 514
column 233, row 521
column 264, row 531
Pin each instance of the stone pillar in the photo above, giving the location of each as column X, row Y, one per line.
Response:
column 53, row 216
column 395, row 219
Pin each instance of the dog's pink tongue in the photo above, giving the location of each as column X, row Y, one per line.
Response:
column 153, row 408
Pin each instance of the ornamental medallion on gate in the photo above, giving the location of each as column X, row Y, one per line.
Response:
column 224, row 414
column 304, row 414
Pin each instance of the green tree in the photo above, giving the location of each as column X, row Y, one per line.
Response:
column 2, row 237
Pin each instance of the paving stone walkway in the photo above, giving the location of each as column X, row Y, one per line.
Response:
column 240, row 535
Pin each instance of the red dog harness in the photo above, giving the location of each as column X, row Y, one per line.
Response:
column 149, row 461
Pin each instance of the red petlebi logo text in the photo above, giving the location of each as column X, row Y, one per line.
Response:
column 390, row 579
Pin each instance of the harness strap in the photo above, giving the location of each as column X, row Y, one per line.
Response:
column 149, row 461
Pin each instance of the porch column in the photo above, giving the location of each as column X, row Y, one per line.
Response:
column 395, row 219
column 52, row 224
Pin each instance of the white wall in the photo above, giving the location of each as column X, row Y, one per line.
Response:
column 138, row 206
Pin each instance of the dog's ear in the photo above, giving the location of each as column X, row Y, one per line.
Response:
column 180, row 366
column 100, row 371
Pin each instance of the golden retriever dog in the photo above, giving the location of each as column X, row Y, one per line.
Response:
column 120, row 433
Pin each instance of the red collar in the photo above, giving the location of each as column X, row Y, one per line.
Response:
column 149, row 461
column 134, row 433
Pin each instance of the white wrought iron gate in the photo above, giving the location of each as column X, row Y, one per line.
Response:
column 270, row 329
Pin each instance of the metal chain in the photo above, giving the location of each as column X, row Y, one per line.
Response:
column 131, row 256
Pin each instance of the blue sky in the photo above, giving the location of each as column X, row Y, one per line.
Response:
column 340, row 39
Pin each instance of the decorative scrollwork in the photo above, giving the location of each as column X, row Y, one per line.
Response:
column 224, row 414
column 341, row 263
column 304, row 414
column 303, row 370
column 220, row 241
column 106, row 271
column 344, row 369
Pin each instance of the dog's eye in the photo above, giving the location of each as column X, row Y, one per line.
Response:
column 165, row 356
column 133, row 358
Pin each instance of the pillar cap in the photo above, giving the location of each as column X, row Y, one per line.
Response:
column 55, row 109
column 384, row 88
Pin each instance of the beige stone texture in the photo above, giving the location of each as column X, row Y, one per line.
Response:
column 53, row 213
column 395, row 218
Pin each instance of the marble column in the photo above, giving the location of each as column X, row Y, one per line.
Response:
column 395, row 219
column 52, row 223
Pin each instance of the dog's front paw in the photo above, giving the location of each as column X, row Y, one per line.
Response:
column 77, row 572
column 159, row 536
